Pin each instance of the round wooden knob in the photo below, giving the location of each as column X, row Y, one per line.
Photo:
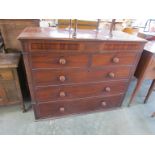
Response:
column 62, row 94
column 62, row 109
column 1, row 99
column 107, row 89
column 62, row 78
column 103, row 103
column 62, row 61
column 115, row 60
column 111, row 75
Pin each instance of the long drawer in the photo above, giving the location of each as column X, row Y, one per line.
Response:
column 64, row 92
column 58, row 60
column 68, row 76
column 60, row 108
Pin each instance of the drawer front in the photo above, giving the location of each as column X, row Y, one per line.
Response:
column 52, row 93
column 113, row 59
column 60, row 108
column 68, row 76
column 6, row 74
column 54, row 60
column 3, row 97
column 54, row 45
column 82, row 46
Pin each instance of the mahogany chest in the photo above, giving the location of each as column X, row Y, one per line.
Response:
column 69, row 75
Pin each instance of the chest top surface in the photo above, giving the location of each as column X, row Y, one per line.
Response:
column 83, row 35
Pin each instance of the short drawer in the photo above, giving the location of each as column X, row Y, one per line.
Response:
column 58, row 60
column 114, row 59
column 64, row 92
column 68, row 76
column 6, row 74
column 60, row 108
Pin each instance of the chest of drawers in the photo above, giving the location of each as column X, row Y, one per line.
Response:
column 77, row 75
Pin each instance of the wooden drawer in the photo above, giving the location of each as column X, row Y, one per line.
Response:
column 113, row 59
column 6, row 74
column 68, row 76
column 64, row 92
column 54, row 46
column 61, row 60
column 82, row 46
column 60, row 108
column 3, row 96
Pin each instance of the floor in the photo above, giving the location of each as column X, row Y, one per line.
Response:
column 125, row 120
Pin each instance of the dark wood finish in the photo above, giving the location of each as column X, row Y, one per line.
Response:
column 53, row 60
column 45, row 94
column 77, row 75
column 145, row 69
column 10, row 92
column 69, row 76
column 61, row 108
column 113, row 59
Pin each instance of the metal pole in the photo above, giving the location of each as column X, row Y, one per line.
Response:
column 75, row 28
column 112, row 27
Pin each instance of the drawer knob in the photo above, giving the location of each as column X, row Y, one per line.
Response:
column 62, row 94
column 62, row 109
column 103, row 103
column 107, row 89
column 1, row 99
column 62, row 78
column 115, row 60
column 111, row 75
column 62, row 61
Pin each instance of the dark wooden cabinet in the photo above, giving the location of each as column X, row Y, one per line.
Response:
column 78, row 75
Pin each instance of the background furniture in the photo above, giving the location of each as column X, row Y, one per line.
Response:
column 82, row 24
column 78, row 75
column 1, row 43
column 10, row 92
column 11, row 28
column 145, row 69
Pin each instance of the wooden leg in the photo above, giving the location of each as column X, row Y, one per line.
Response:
column 150, row 91
column 139, row 82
